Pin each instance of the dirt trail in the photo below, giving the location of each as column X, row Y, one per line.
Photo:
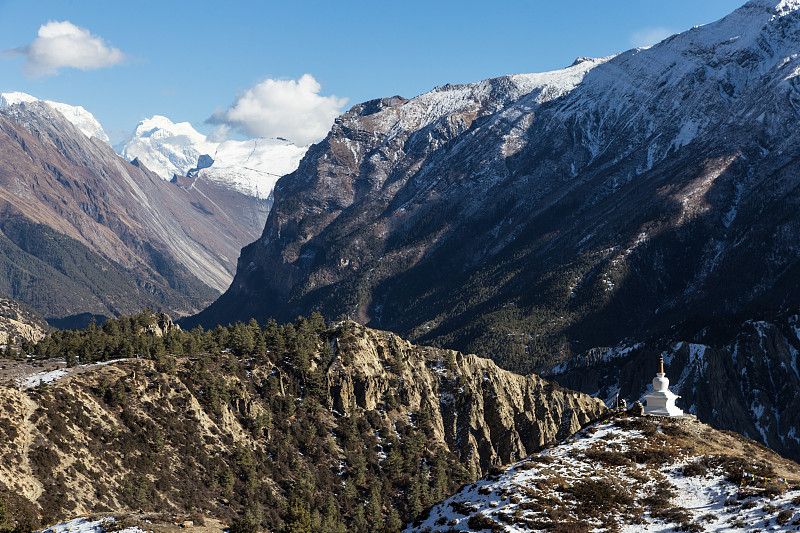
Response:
column 27, row 438
column 15, row 467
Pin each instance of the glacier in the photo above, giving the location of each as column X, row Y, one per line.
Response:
column 251, row 167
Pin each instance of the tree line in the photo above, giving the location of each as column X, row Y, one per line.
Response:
column 304, row 467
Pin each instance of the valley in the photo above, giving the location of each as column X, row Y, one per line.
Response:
column 86, row 234
column 421, row 320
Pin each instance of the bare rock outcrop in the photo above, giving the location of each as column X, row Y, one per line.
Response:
column 162, row 324
column 18, row 324
column 489, row 415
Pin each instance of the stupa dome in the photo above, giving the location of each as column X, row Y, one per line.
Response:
column 660, row 383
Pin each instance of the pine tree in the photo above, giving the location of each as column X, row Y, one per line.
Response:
column 359, row 521
column 374, row 509
column 414, row 497
column 393, row 522
column 440, row 478
column 4, row 515
column 394, row 463
column 298, row 516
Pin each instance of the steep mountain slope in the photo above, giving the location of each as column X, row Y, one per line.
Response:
column 250, row 167
column 249, row 429
column 83, row 232
column 633, row 475
column 534, row 216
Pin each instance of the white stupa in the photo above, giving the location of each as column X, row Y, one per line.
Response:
column 661, row 402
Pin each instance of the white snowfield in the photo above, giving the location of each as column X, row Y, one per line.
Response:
column 80, row 118
column 43, row 377
column 513, row 500
column 82, row 525
column 251, row 167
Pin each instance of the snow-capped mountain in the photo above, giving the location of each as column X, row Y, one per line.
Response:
column 632, row 475
column 165, row 147
column 85, row 233
column 81, row 118
column 251, row 167
column 533, row 217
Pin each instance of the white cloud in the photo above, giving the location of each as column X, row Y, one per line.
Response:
column 650, row 36
column 63, row 44
column 281, row 108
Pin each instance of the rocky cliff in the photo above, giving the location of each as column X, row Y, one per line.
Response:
column 488, row 415
column 227, row 436
column 19, row 323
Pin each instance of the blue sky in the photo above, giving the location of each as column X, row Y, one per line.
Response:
column 188, row 60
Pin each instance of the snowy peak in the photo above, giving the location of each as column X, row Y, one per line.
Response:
column 780, row 6
column 161, row 127
column 763, row 26
column 77, row 115
column 9, row 99
column 165, row 147
column 251, row 167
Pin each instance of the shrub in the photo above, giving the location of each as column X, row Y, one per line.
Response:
column 462, row 508
column 593, row 495
column 661, row 499
column 644, row 425
column 480, row 521
column 676, row 515
column 650, row 455
column 569, row 527
column 608, row 457
column 674, row 430
column 784, row 517
column 695, row 469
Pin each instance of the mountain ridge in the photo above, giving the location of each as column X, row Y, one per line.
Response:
column 532, row 218
column 632, row 474
column 80, row 117
column 217, row 431
column 159, row 244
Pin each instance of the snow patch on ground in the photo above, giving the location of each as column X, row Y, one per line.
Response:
column 43, row 377
column 50, row 376
column 513, row 500
column 82, row 525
